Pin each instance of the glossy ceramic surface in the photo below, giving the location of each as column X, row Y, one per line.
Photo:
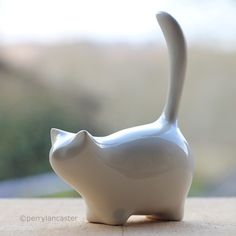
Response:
column 143, row 170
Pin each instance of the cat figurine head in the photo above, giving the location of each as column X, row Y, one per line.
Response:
column 67, row 149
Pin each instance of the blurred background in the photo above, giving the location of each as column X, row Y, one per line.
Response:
column 103, row 66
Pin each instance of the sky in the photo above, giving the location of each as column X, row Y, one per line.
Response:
column 212, row 22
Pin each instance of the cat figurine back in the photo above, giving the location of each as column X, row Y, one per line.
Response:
column 144, row 170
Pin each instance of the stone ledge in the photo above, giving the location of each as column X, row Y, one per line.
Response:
column 203, row 216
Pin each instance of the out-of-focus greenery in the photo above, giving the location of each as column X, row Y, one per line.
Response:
column 28, row 110
column 25, row 139
column 62, row 194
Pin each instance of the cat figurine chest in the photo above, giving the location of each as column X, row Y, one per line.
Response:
column 144, row 170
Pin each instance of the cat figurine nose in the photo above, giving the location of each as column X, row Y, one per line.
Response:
column 144, row 170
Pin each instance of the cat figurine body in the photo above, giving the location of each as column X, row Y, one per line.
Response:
column 144, row 170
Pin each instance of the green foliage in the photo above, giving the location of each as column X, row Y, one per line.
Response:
column 71, row 193
column 25, row 139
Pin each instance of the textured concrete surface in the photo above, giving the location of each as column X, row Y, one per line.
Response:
column 203, row 216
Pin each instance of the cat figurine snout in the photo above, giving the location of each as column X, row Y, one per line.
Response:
column 144, row 170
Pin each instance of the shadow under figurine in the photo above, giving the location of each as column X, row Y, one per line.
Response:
column 144, row 170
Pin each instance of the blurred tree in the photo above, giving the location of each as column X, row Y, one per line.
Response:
column 28, row 110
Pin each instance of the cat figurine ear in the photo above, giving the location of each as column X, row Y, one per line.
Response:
column 143, row 170
column 55, row 133
column 82, row 139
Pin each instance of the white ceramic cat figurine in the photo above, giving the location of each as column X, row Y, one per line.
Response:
column 144, row 170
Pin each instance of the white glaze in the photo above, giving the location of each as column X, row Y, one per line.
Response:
column 141, row 170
